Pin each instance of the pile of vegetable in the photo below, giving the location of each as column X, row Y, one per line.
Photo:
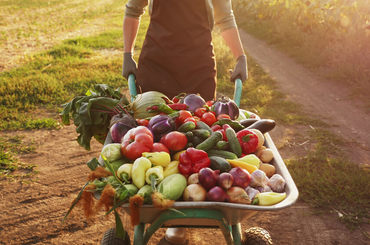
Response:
column 184, row 149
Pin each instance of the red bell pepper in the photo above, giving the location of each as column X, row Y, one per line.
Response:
column 248, row 141
column 193, row 160
column 136, row 141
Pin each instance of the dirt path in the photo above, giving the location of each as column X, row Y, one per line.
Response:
column 32, row 213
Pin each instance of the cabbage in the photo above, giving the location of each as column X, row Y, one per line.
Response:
column 112, row 152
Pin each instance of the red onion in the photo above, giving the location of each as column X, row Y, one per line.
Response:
column 242, row 178
column 238, row 195
column 193, row 179
column 194, row 192
column 225, row 180
column 118, row 130
column 160, row 125
column 217, row 194
column 208, row 177
column 194, row 101
column 227, row 106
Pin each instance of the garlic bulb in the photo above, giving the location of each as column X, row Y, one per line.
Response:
column 258, row 178
column 276, row 183
column 251, row 192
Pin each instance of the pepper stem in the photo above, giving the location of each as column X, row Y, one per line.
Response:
column 153, row 179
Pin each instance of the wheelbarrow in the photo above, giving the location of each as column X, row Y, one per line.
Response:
column 223, row 215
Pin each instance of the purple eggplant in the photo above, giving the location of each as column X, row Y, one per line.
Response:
column 194, row 101
column 227, row 106
column 161, row 125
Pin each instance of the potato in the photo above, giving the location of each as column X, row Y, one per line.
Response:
column 266, row 155
column 269, row 169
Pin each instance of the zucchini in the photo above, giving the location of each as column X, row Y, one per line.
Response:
column 210, row 142
column 188, row 126
column 219, row 163
column 221, row 153
column 263, row 125
column 201, row 133
column 203, row 125
column 233, row 141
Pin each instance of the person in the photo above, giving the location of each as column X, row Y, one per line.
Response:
column 177, row 54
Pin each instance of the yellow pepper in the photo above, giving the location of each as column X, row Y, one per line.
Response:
column 269, row 198
column 157, row 172
column 158, row 158
column 171, row 169
column 124, row 172
column 237, row 163
column 139, row 168
column 250, row 159
column 176, row 156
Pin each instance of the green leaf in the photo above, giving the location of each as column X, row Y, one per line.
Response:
column 120, row 231
column 177, row 211
column 118, row 204
column 75, row 201
column 93, row 164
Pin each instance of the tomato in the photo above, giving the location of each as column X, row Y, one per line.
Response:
column 200, row 111
column 209, row 103
column 175, row 99
column 175, row 141
column 223, row 116
column 158, row 147
column 191, row 119
column 136, row 141
column 143, row 122
column 209, row 118
column 183, row 114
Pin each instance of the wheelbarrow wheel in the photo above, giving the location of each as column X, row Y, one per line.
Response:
column 110, row 238
column 256, row 236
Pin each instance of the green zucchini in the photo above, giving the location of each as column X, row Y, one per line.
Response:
column 221, row 153
column 210, row 142
column 203, row 125
column 233, row 141
column 188, row 126
column 201, row 133
column 219, row 163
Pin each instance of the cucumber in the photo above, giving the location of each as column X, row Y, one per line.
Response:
column 196, row 141
column 222, row 145
column 221, row 153
column 210, row 142
column 203, row 125
column 220, row 163
column 188, row 126
column 201, row 133
column 234, row 124
column 189, row 135
column 233, row 141
column 263, row 125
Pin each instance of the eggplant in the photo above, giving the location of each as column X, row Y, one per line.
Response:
column 263, row 125
column 248, row 122
column 160, row 125
column 227, row 106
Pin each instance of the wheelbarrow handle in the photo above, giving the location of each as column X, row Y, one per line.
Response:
column 237, row 91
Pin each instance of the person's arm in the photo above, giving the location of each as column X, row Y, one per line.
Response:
column 232, row 39
column 130, row 30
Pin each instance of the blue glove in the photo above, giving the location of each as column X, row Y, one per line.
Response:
column 129, row 65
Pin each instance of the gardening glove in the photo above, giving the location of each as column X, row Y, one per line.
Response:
column 129, row 65
column 240, row 70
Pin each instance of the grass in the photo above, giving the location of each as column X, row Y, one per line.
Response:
column 31, row 96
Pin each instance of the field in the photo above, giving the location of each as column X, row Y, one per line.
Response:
column 60, row 49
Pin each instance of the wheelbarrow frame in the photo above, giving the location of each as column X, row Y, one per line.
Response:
column 223, row 215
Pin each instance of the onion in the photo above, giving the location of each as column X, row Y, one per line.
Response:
column 161, row 125
column 217, row 194
column 242, row 178
column 194, row 102
column 194, row 192
column 193, row 179
column 208, row 177
column 227, row 106
column 225, row 180
column 118, row 130
column 238, row 195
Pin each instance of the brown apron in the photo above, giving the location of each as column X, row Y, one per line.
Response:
column 177, row 54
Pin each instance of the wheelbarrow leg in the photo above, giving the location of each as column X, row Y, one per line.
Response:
column 139, row 234
column 237, row 234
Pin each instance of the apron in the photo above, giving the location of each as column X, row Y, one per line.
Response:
column 177, row 54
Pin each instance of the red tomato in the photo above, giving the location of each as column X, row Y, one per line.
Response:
column 199, row 112
column 209, row 118
column 223, row 116
column 183, row 114
column 209, row 103
column 191, row 119
column 175, row 141
column 158, row 147
column 216, row 127
column 143, row 122
column 136, row 141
